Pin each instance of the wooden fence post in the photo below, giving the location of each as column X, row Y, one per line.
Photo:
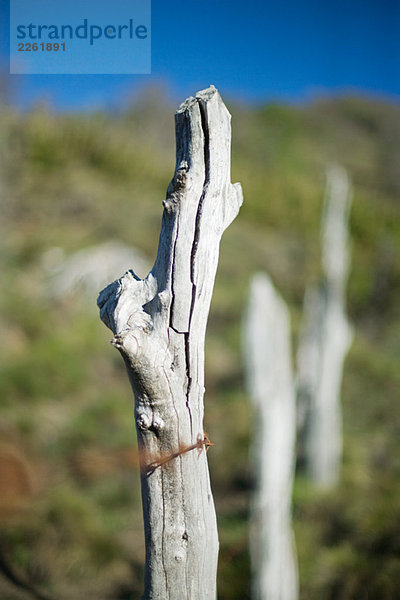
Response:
column 325, row 339
column 271, row 387
column 159, row 326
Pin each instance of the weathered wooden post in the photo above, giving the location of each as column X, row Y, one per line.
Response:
column 159, row 326
column 326, row 338
column 267, row 357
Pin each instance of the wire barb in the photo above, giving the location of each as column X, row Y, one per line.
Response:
column 202, row 442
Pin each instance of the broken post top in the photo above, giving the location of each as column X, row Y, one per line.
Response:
column 203, row 95
column 201, row 202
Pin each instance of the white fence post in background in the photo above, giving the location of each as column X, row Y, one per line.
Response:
column 325, row 339
column 270, row 385
column 159, row 326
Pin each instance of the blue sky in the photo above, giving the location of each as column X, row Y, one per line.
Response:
column 252, row 51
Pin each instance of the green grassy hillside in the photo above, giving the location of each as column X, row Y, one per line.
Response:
column 70, row 512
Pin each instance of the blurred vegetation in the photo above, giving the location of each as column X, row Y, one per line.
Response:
column 70, row 512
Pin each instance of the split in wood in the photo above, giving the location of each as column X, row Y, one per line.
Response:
column 149, row 467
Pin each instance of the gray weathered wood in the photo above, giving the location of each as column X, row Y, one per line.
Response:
column 159, row 326
column 271, row 387
column 325, row 339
